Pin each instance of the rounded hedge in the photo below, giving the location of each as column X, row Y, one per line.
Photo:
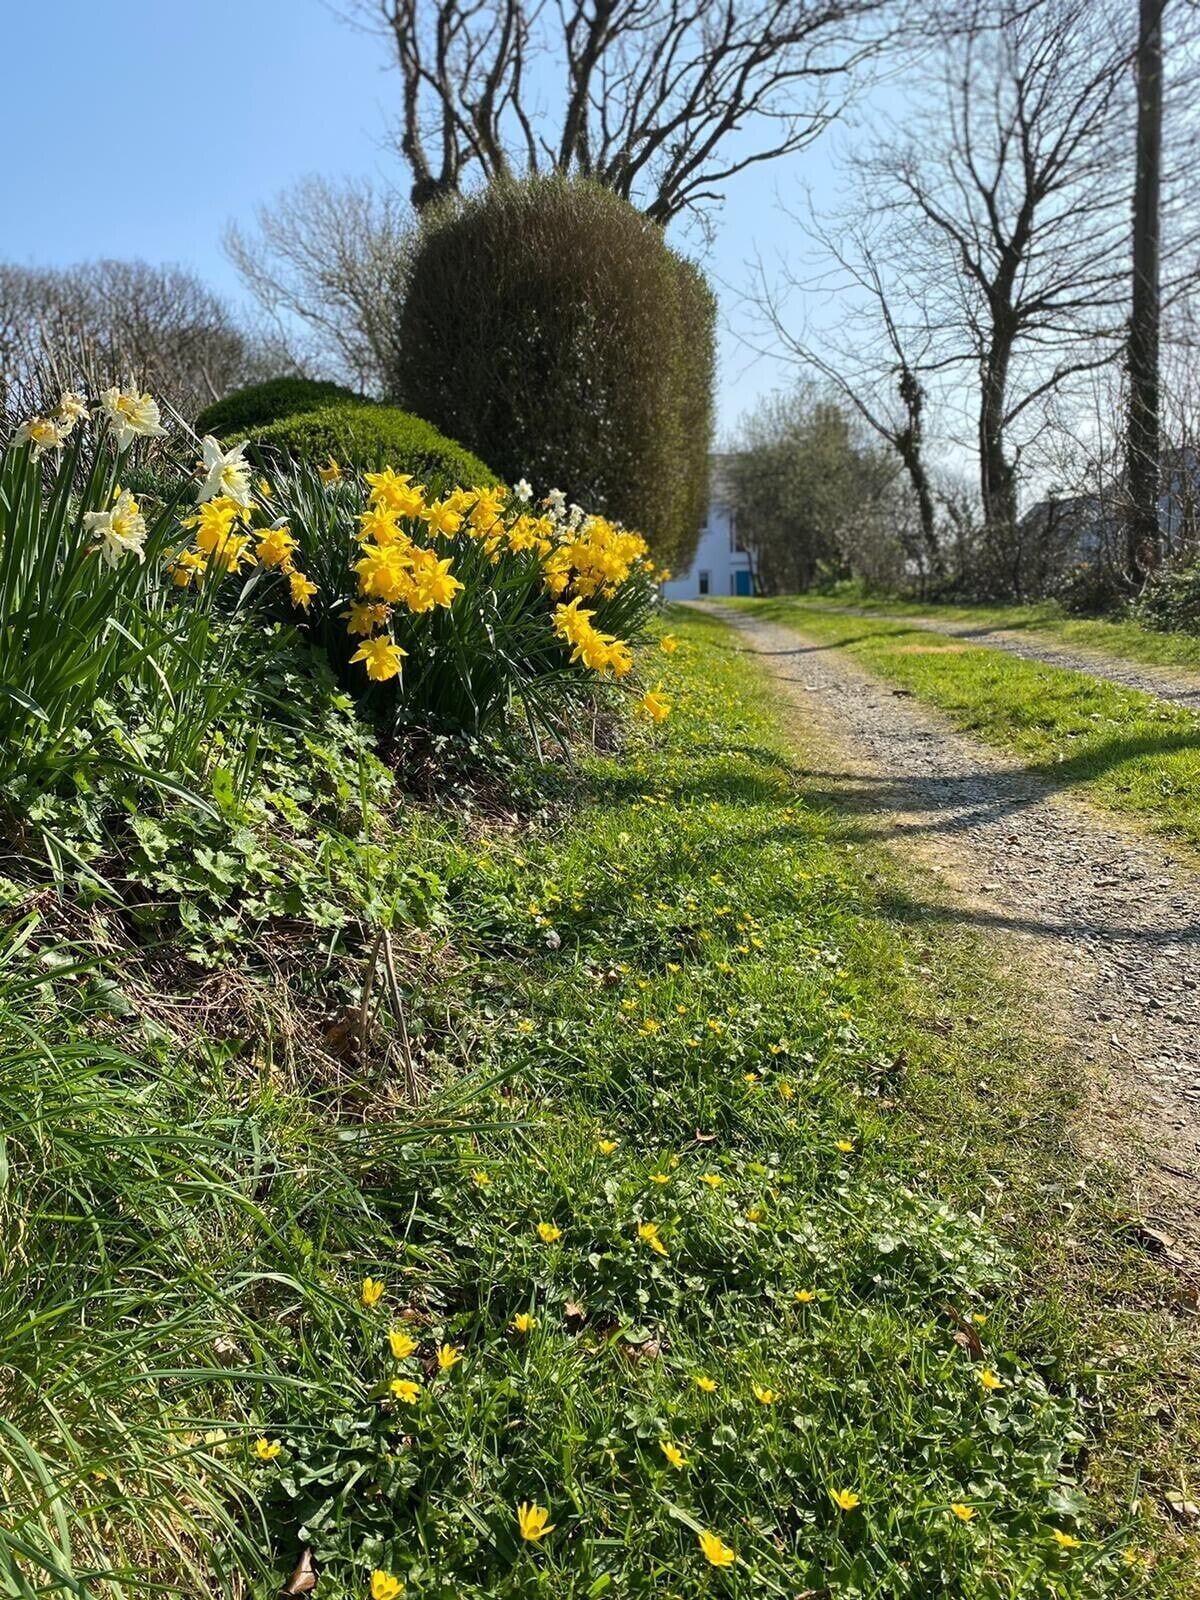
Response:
column 549, row 326
column 374, row 436
column 260, row 403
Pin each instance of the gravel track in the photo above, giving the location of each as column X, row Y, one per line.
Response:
column 1106, row 920
column 1177, row 684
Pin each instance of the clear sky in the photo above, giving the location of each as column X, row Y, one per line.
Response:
column 139, row 128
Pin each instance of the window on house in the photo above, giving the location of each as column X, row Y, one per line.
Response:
column 735, row 542
column 702, row 582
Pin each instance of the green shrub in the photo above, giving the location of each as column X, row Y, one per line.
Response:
column 1170, row 602
column 373, row 436
column 260, row 403
column 549, row 326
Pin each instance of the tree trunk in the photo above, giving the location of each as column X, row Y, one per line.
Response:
column 997, row 481
column 1142, row 455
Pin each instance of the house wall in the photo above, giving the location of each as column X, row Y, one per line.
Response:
column 717, row 558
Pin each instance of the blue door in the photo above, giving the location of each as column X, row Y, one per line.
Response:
column 741, row 582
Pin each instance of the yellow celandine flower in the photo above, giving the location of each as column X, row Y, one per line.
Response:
column 714, row 1180
column 267, row 1449
column 673, row 1453
column 372, row 1291
column 524, row 1322
column 785, row 1090
column 448, row 1357
column 765, row 1397
column 481, row 1179
column 668, row 644
column 275, row 547
column 705, row 1384
column 405, row 1390
column 330, row 472
column 844, row 1499
column 381, row 657
column 989, row 1380
column 655, row 706
column 532, row 1521
column 548, row 1233
column 805, row 1296
column 715, row 1551
column 1066, row 1541
column 845, row 1146
column 964, row 1513
column 754, row 1214
column 648, row 1234
column 402, row 1344
column 302, row 589
column 606, row 1147
column 660, row 1177
column 384, row 1586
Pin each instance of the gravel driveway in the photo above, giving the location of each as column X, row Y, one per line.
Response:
column 1111, row 923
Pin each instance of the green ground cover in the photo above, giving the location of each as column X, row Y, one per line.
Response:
column 1125, row 639
column 741, row 1206
column 1132, row 752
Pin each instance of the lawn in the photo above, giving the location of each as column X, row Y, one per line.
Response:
column 1126, row 639
column 743, row 1234
column 1132, row 752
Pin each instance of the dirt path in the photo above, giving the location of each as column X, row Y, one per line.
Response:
column 1107, row 921
column 1177, row 684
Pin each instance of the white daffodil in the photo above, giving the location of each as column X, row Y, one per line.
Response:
column 72, row 408
column 575, row 515
column 131, row 415
column 122, row 529
column 43, row 433
column 557, row 501
column 224, row 472
column 524, row 491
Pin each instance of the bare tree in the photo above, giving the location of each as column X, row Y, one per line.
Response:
column 1143, row 427
column 662, row 101
column 327, row 265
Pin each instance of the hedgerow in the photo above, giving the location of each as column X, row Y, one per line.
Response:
column 371, row 436
column 259, row 403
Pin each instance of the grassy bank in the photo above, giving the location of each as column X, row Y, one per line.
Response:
column 1127, row 640
column 1130, row 751
column 743, row 1234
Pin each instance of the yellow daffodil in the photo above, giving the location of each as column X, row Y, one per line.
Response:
column 405, row 1390
column 524, row 1322
column 276, row 547
column 673, row 1453
column 330, row 472
column 548, row 1233
column 267, row 1449
column 372, row 1291
column 384, row 1586
column 302, row 590
column 402, row 1344
column 654, row 706
column 714, row 1550
column 844, row 1499
column 448, row 1357
column 381, row 658
column 531, row 1519
column 964, row 1513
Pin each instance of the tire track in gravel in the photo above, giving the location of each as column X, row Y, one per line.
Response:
column 1176, row 684
column 1106, row 921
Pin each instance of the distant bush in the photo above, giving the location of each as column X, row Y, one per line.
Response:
column 549, row 326
column 374, row 436
column 261, row 403
column 1170, row 602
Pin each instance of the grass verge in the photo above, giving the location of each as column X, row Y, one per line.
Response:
column 1132, row 752
column 774, row 1232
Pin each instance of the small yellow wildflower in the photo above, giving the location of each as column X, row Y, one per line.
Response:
column 989, row 1380
column 1066, row 1541
column 405, row 1390
column 805, row 1296
column 673, row 1453
column 845, row 1146
column 524, row 1322
column 668, row 644
column 705, row 1384
column 606, row 1146
column 402, row 1345
column 267, row 1449
column 648, row 1234
column 531, row 1519
column 372, row 1291
column 660, row 1177
column 784, row 1089
column 548, row 1233
column 714, row 1180
column 765, row 1397
column 448, row 1357
column 963, row 1512
column 844, row 1499
column 384, row 1586
column 754, row 1214
column 480, row 1178
column 714, row 1550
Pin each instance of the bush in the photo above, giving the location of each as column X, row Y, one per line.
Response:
column 1170, row 602
column 549, row 326
column 260, row 403
column 373, row 436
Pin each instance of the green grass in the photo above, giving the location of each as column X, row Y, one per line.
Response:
column 1125, row 639
column 682, row 970
column 1131, row 752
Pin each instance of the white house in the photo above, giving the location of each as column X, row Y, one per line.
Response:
column 722, row 564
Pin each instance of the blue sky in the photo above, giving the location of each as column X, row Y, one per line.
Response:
column 139, row 128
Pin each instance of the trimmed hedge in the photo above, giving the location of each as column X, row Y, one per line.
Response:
column 374, row 436
column 548, row 326
column 260, row 403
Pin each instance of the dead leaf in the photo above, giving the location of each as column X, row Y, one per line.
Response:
column 303, row 1580
column 705, row 1138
